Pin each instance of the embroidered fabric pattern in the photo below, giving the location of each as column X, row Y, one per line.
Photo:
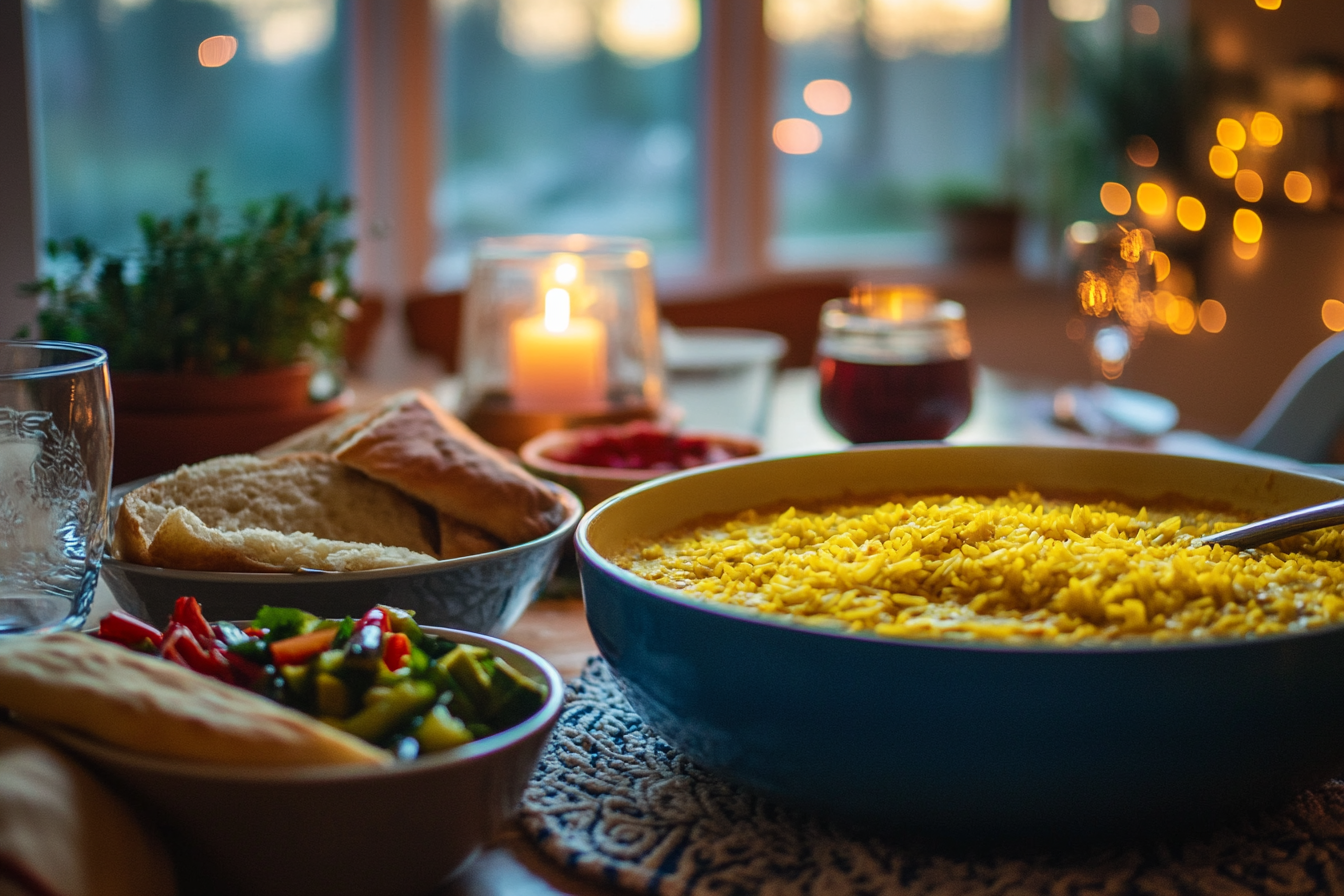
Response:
column 612, row 801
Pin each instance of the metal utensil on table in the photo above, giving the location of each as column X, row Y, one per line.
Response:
column 1294, row 522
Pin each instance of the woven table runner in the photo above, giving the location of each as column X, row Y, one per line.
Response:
column 612, row 801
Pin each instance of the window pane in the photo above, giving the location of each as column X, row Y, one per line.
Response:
column 887, row 110
column 568, row 116
column 128, row 109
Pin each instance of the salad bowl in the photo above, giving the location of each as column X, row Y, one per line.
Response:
column 353, row 830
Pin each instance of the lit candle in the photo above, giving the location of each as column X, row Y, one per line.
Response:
column 556, row 361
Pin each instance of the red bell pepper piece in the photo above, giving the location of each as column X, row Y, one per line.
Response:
column 254, row 632
column 123, row 628
column 187, row 611
column 191, row 654
column 168, row 649
column 396, row 650
column 377, row 616
column 245, row 672
column 301, row 648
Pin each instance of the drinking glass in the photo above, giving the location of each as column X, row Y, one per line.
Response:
column 55, row 470
column 894, row 364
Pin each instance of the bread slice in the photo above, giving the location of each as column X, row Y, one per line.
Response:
column 459, row 539
column 307, row 493
column 155, row 707
column 184, row 542
column 416, row 446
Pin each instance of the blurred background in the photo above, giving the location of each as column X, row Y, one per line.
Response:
column 774, row 152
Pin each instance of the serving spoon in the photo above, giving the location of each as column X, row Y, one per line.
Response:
column 1294, row 522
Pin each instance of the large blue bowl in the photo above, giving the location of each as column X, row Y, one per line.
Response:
column 967, row 739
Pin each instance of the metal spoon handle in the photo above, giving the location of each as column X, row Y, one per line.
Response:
column 1294, row 522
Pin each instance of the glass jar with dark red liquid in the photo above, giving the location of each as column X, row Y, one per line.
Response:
column 895, row 365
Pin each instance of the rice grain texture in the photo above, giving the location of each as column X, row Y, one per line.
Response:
column 1017, row 568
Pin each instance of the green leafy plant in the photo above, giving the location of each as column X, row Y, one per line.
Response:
column 198, row 298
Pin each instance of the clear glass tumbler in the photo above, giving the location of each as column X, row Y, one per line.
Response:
column 55, row 471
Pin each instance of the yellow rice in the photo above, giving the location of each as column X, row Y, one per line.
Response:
column 1017, row 568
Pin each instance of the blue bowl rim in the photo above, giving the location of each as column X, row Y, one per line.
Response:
column 494, row 743
column 787, row 623
column 574, row 512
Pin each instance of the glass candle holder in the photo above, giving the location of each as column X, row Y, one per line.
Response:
column 894, row 364
column 559, row 331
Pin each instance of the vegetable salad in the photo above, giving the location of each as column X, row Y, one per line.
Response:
column 379, row 677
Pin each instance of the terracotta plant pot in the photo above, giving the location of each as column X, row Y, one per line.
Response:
column 164, row 420
column 980, row 232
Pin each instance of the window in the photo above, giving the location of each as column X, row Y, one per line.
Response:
column 128, row 108
column 886, row 111
column 566, row 116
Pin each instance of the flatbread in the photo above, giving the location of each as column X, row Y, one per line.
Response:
column 158, row 708
column 421, row 449
column 64, row 833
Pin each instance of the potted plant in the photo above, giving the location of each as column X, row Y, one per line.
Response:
column 979, row 223
column 215, row 336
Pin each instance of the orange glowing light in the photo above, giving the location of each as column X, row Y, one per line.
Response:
column 827, row 97
column 1152, row 199
column 1134, row 243
column 1144, row 19
column 1266, row 129
column 1181, row 315
column 1244, row 251
column 1247, row 226
column 1161, row 265
column 1249, row 185
column 1223, row 161
column 1212, row 316
column 1190, row 213
column 1162, row 300
column 1332, row 314
column 1115, row 198
column 1094, row 294
column 1297, row 186
column 797, row 136
column 1231, row 134
column 1268, row 4
column 1142, row 151
column 215, row 51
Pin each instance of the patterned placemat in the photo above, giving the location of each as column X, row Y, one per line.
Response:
column 613, row 801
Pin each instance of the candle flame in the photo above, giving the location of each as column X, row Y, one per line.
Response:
column 566, row 272
column 556, row 316
column 893, row 302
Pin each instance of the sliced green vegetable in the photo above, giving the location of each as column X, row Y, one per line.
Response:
column 333, row 697
column 403, row 622
column 284, row 622
column 440, row 730
column 513, row 696
column 393, row 707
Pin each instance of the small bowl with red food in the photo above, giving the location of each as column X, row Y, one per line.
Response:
column 596, row 462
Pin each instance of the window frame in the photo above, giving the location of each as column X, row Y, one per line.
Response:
column 392, row 54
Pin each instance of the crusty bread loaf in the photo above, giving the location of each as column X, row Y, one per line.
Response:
column 297, row 494
column 63, row 830
column 155, row 707
column 421, row 449
column 184, row 542
column 459, row 539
